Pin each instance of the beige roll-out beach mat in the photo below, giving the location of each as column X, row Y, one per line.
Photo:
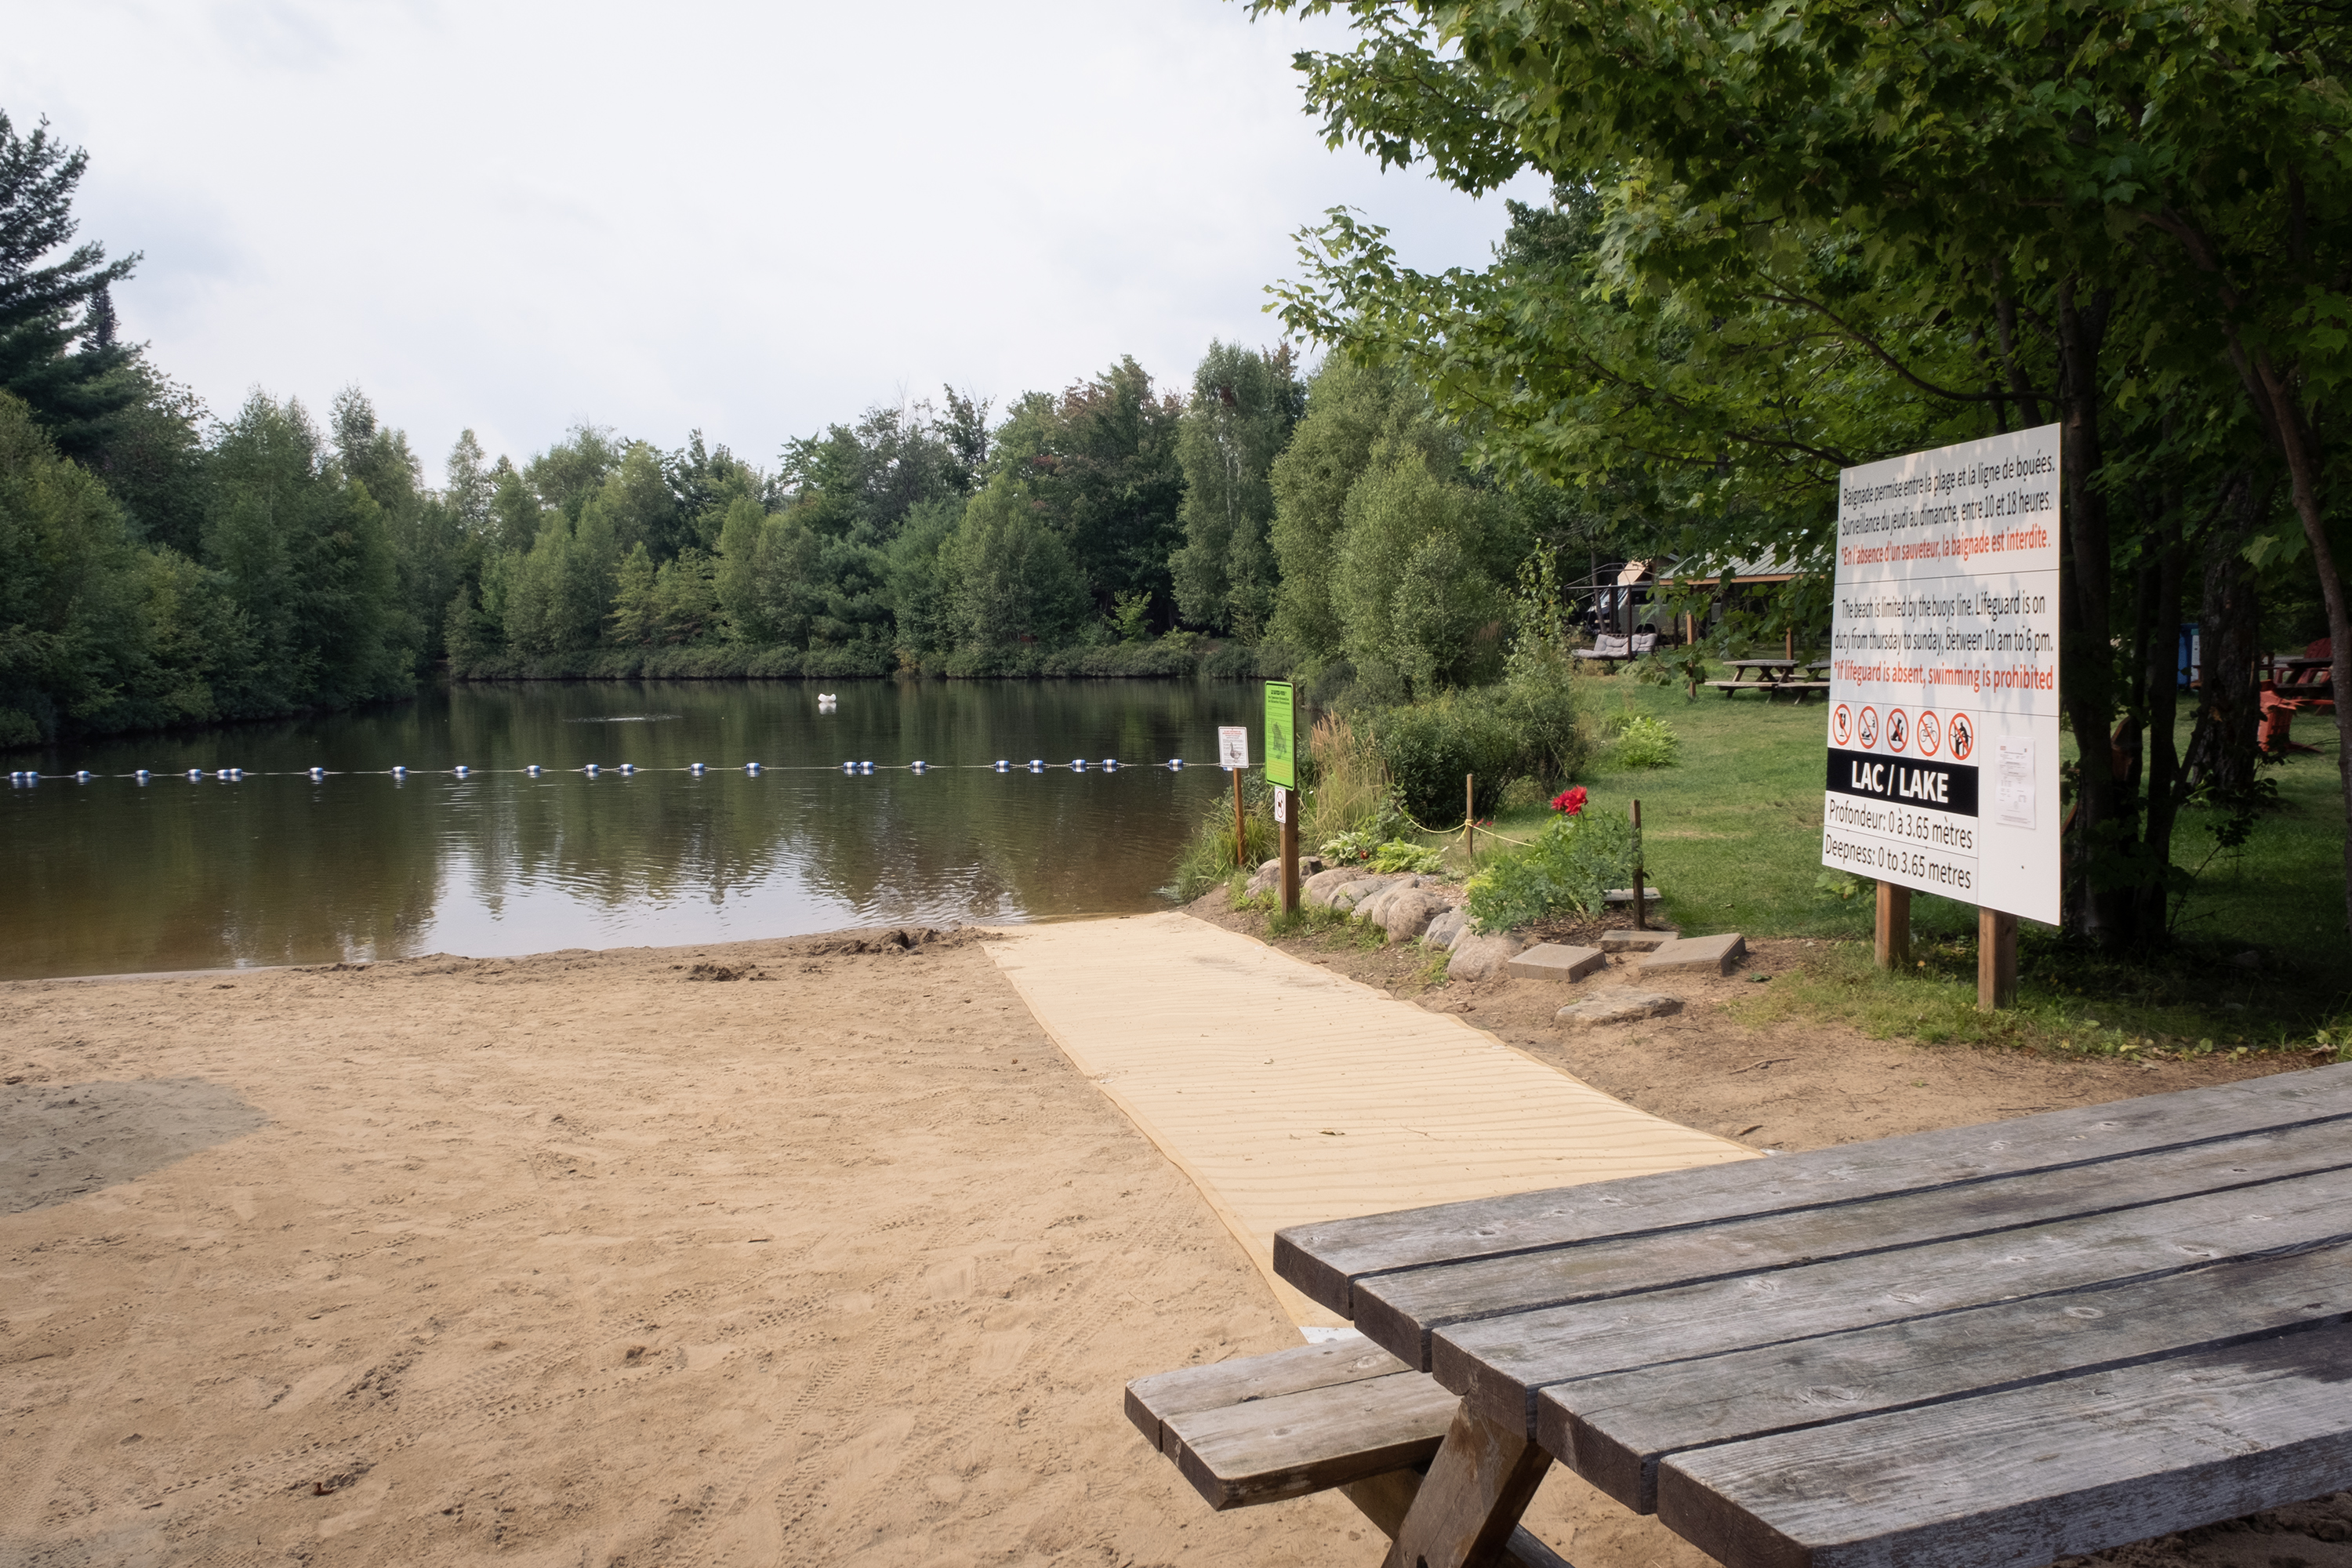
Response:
column 1290, row 1095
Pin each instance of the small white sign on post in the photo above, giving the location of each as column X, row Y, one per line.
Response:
column 1232, row 746
column 1943, row 716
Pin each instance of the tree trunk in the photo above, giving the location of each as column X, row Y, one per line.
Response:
column 2223, row 748
column 2160, row 705
column 2096, row 908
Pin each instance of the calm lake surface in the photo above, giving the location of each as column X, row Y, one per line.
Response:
column 116, row 877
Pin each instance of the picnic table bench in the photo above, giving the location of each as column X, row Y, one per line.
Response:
column 1984, row 1347
column 2293, row 686
column 1773, row 676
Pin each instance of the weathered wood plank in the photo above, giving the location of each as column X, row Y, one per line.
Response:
column 1150, row 1400
column 1323, row 1259
column 1236, row 1455
column 1469, row 1505
column 1401, row 1311
column 2015, row 1479
column 1383, row 1499
column 1498, row 1364
column 1613, row 1430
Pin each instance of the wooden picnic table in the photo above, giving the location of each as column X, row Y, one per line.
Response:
column 1772, row 676
column 1981, row 1348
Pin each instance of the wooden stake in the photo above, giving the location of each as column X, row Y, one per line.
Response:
column 1641, row 902
column 1290, row 851
column 1894, row 935
column 1469, row 814
column 1790, row 641
column 1241, row 827
column 1996, row 960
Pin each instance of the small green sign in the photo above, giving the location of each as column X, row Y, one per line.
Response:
column 1281, row 738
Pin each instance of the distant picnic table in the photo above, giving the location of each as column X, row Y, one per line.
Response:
column 2295, row 685
column 1772, row 677
column 1613, row 648
column 1986, row 1347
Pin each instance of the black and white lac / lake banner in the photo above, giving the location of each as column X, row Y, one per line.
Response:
column 1943, row 716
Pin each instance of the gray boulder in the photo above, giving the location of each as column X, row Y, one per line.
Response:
column 1317, row 889
column 1349, row 895
column 1267, row 879
column 1477, row 957
column 1408, row 911
column 1443, row 929
column 1618, row 1007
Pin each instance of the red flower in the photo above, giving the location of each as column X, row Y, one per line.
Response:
column 1569, row 801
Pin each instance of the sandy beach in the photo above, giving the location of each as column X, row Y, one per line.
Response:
column 813, row 1250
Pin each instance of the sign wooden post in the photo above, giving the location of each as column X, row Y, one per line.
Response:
column 1282, row 772
column 1641, row 901
column 1943, row 712
column 1470, row 815
column 1996, row 960
column 1233, row 756
column 1891, row 944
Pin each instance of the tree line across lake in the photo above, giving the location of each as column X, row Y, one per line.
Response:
column 159, row 565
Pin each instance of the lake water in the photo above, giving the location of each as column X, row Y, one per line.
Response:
column 116, row 877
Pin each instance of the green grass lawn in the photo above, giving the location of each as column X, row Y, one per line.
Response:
column 1732, row 836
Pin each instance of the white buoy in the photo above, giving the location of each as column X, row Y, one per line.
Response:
column 866, row 767
column 1110, row 764
column 917, row 765
column 140, row 775
column 628, row 770
column 753, row 768
column 317, row 773
column 1175, row 765
column 849, row 767
column 81, row 775
column 532, row 770
column 590, row 770
column 196, row 775
column 398, row 771
column 1078, row 764
column 460, row 770
column 222, row 774
column 1002, row 766
column 694, row 768
column 1037, row 764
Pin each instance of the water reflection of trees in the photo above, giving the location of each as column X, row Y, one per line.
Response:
column 110, row 876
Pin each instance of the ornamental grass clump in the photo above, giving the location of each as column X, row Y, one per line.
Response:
column 1570, row 867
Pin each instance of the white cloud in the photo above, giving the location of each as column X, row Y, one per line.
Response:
column 752, row 219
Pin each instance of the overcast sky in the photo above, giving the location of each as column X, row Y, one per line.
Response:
column 754, row 219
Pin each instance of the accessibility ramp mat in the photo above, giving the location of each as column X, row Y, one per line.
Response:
column 1291, row 1095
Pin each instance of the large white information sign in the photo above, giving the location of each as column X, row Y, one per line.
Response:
column 1943, row 717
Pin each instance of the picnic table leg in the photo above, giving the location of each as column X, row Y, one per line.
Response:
column 1384, row 1499
column 1465, row 1512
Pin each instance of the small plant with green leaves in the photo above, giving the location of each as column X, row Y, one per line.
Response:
column 1397, row 854
column 1646, row 742
column 1572, row 864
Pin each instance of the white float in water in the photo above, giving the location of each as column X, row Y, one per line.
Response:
column 866, row 767
column 221, row 774
column 750, row 767
column 590, row 770
column 1175, row 765
column 81, row 775
column 1037, row 764
column 694, row 768
column 532, row 770
column 460, row 770
column 140, row 775
column 917, row 765
column 317, row 773
column 1002, row 766
column 1078, row 764
column 628, row 770
column 398, row 771
column 196, row 775
column 1110, row 764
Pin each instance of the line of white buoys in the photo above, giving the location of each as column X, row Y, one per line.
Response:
column 23, row 778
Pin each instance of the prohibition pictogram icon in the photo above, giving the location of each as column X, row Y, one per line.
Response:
column 1898, row 730
column 1928, row 732
column 1866, row 728
column 1841, row 726
column 1964, row 737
